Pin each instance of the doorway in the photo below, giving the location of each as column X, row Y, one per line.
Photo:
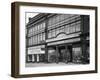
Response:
column 65, row 53
column 61, row 53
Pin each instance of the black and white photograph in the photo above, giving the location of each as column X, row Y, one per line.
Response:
column 57, row 39
column 51, row 39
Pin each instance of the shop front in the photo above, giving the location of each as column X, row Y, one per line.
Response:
column 64, row 50
column 60, row 53
column 36, row 54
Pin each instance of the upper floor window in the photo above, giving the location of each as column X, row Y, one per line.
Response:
column 78, row 24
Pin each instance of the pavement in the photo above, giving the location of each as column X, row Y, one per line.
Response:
column 50, row 64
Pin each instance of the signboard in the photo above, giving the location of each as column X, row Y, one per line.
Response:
column 36, row 50
column 64, row 36
column 64, row 41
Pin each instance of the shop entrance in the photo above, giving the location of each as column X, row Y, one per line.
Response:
column 61, row 52
column 65, row 53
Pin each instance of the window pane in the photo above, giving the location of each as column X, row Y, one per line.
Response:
column 78, row 26
column 29, row 41
column 57, row 18
column 62, row 29
column 43, row 25
column 29, row 58
column 66, row 16
column 49, row 21
column 57, row 31
column 67, row 29
column 39, row 38
column 73, row 25
column 62, row 17
column 53, row 20
column 38, row 27
column 53, row 33
column 49, row 34
column 34, row 29
column 33, row 40
column 43, row 36
column 77, row 54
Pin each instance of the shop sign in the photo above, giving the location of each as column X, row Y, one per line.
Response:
column 64, row 41
column 36, row 50
column 64, row 36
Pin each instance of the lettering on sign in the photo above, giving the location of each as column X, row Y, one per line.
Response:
column 64, row 36
column 36, row 50
column 64, row 41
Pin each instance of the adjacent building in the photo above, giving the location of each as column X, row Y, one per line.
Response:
column 54, row 38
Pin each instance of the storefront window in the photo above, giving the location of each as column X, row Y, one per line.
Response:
column 51, row 55
column 77, row 54
column 33, row 59
column 30, row 58
column 88, row 51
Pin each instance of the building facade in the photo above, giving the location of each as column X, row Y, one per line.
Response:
column 54, row 38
